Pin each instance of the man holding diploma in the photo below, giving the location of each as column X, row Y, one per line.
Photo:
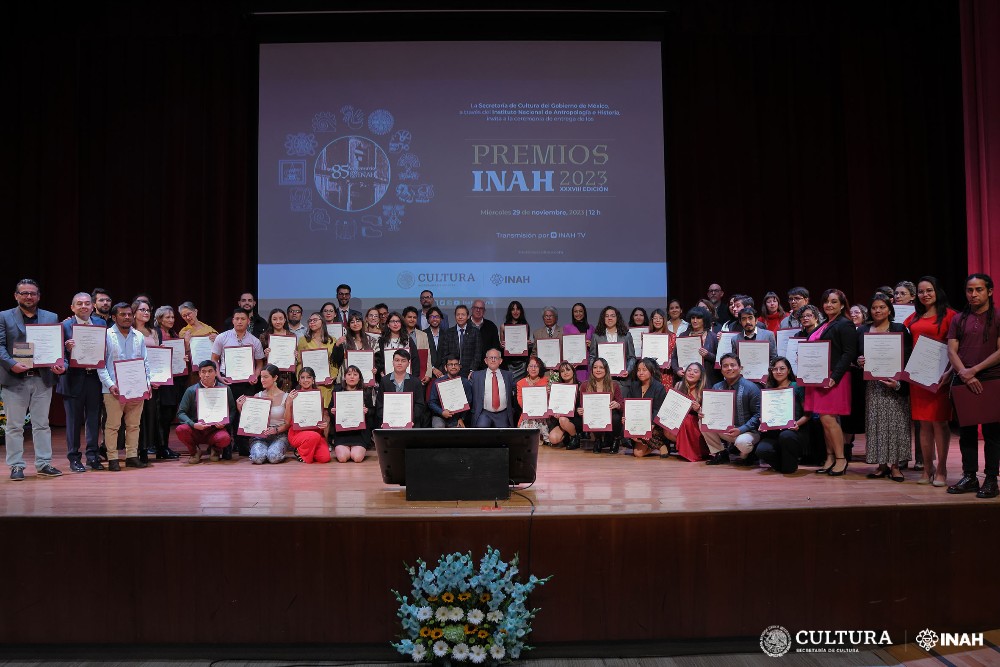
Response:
column 974, row 352
column 122, row 343
column 441, row 417
column 743, row 435
column 26, row 389
column 239, row 335
column 195, row 434
column 81, row 390
column 400, row 381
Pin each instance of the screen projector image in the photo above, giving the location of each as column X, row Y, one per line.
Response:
column 494, row 170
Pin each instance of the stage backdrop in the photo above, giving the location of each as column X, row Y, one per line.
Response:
column 501, row 170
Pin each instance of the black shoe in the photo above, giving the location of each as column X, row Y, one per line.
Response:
column 114, row 466
column 837, row 473
column 574, row 442
column 881, row 474
column 718, row 458
column 102, row 452
column 76, row 466
column 227, row 453
column 17, row 474
column 748, row 462
column 598, row 443
column 616, row 445
column 967, row 484
column 989, row 488
column 95, row 465
column 48, row 470
column 150, row 451
column 135, row 462
column 167, row 454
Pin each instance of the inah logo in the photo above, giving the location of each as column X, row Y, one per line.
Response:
column 775, row 641
column 927, row 639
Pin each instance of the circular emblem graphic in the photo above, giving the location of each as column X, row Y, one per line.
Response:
column 496, row 279
column 927, row 639
column 380, row 122
column 405, row 280
column 775, row 641
column 352, row 173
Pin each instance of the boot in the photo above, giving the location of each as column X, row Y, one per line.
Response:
column 574, row 442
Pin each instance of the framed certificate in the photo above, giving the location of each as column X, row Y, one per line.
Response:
column 397, row 409
column 535, row 402
column 792, row 353
column 718, row 409
column 549, row 350
column 777, row 409
column 781, row 338
column 452, row 395
column 160, row 360
column 725, row 346
column 658, row 346
column 47, row 342
column 281, row 352
column 319, row 361
column 387, row 356
column 814, row 363
column 673, row 410
column 688, row 351
column 902, row 311
column 201, row 350
column 254, row 416
column 365, row 361
column 307, row 408
column 614, row 354
column 562, row 399
column 130, row 377
column 755, row 355
column 89, row 343
column 637, row 335
column 574, row 349
column 883, row 356
column 178, row 365
column 638, row 417
column 335, row 330
column 350, row 410
column 213, row 405
column 515, row 340
column 927, row 365
column 238, row 362
column 596, row 411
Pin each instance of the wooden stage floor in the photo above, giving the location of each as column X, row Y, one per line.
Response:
column 568, row 483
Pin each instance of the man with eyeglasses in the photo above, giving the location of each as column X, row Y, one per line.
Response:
column 440, row 417
column 258, row 324
column 81, row 390
column 489, row 334
column 344, row 310
column 715, row 295
column 294, row 318
column 493, row 394
column 797, row 297
column 26, row 389
column 426, row 303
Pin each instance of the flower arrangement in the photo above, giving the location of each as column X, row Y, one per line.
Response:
column 461, row 613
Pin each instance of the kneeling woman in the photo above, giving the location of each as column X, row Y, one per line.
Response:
column 688, row 442
column 565, row 429
column 271, row 445
column 645, row 383
column 309, row 442
column 600, row 382
column 781, row 449
column 535, row 377
column 353, row 445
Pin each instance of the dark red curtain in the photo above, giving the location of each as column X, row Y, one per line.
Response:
column 980, row 21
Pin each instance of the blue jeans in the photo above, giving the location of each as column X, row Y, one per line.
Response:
column 28, row 396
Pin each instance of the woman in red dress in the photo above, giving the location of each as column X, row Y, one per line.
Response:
column 932, row 319
column 689, row 443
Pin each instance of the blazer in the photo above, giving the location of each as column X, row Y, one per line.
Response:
column 70, row 383
column 420, row 338
column 411, row 384
column 12, row 331
column 350, row 312
column 435, row 399
column 479, row 394
column 433, row 358
column 843, row 337
column 489, row 334
column 540, row 332
column 471, row 352
column 597, row 339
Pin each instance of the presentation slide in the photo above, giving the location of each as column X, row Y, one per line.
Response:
column 494, row 170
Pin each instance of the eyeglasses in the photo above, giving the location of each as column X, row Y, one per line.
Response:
column 493, row 358
column 27, row 293
column 142, row 310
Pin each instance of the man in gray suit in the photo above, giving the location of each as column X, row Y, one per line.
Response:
column 26, row 390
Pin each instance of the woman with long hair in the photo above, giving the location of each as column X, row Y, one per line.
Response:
column 932, row 410
column 676, row 324
column 579, row 325
column 393, row 338
column 514, row 316
column 316, row 337
column 193, row 327
column 638, row 318
column 688, row 442
column 309, row 442
column 566, row 429
column 600, row 381
column 772, row 312
column 373, row 326
column 353, row 445
column 887, row 402
column 149, row 423
column 611, row 329
column 354, row 338
column 644, row 382
column 169, row 396
column 782, row 448
column 277, row 325
column 271, row 445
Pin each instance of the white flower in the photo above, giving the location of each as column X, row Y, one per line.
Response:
column 419, row 653
column 440, row 648
column 495, row 616
column 425, row 614
column 497, row 651
column 455, row 614
column 460, row 652
column 475, row 616
column 477, row 654
column 441, row 614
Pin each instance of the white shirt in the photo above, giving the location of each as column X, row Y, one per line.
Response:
column 488, row 394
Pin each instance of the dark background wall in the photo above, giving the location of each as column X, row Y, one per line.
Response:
column 806, row 143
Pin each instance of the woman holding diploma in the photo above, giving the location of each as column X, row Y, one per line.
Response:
column 699, row 325
column 534, row 378
column 565, row 428
column 149, row 422
column 277, row 325
column 168, row 397
column 689, row 443
column 354, row 338
column 309, row 443
column 658, row 324
column 580, row 325
column 887, row 402
column 611, row 329
column 353, row 445
column 781, row 449
column 931, row 410
column 644, row 382
column 515, row 315
column 317, row 338
column 834, row 400
column 394, row 338
column 269, row 446
column 193, row 327
column 601, row 382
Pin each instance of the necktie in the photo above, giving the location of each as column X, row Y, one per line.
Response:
column 549, row 329
column 461, row 335
column 496, row 392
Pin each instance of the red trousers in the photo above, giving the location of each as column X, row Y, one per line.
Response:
column 310, row 444
column 192, row 438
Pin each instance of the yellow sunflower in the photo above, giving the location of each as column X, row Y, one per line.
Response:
column 436, row 633
column 485, row 597
column 425, row 632
column 462, row 597
column 468, row 630
column 432, row 598
column 447, row 597
column 483, row 634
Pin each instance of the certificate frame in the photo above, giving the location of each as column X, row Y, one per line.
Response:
column 922, row 342
column 408, row 394
column 437, row 388
column 516, row 353
column 535, row 389
column 781, row 338
column 659, row 422
column 62, row 343
column 799, row 378
column 587, row 428
column 225, row 357
column 332, row 327
column 365, row 370
column 73, row 363
column 170, row 381
column 755, row 345
column 547, row 344
column 180, row 351
column 636, row 402
column 293, row 339
column 576, row 391
column 572, row 337
column 670, row 347
column 624, row 371
column 146, row 394
column 240, row 430
column 309, row 394
column 682, row 364
column 198, row 394
column 328, row 380
column 732, row 397
column 765, row 426
column 337, row 426
column 868, row 375
column 637, row 335
column 202, row 341
column 719, row 351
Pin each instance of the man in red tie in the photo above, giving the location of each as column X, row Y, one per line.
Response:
column 493, row 394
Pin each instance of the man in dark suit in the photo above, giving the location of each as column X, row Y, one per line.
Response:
column 401, row 381
column 434, row 334
column 462, row 339
column 81, row 390
column 344, row 310
column 493, row 394
column 26, row 389
column 489, row 333
column 440, row 417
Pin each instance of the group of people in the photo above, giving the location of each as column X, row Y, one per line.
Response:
column 415, row 350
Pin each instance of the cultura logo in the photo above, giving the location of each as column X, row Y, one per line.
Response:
column 775, row 641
